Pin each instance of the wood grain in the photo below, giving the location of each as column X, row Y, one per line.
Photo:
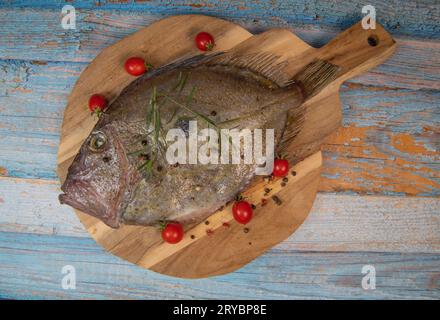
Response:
column 337, row 222
column 31, row 268
column 416, row 64
column 411, row 17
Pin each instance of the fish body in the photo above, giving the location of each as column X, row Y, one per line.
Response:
column 121, row 177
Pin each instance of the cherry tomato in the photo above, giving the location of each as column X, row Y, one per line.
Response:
column 242, row 211
column 136, row 66
column 204, row 41
column 97, row 104
column 280, row 168
column 172, row 233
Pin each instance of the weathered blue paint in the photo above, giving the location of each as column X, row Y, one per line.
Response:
column 409, row 18
column 415, row 65
column 336, row 222
column 37, row 261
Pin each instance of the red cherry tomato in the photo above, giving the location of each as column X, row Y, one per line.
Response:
column 204, row 41
column 242, row 211
column 97, row 103
column 136, row 66
column 280, row 168
column 172, row 233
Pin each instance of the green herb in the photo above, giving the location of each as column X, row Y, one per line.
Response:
column 185, row 106
column 186, row 118
column 138, row 152
column 181, row 82
column 172, row 116
column 147, row 166
column 153, row 104
column 152, row 120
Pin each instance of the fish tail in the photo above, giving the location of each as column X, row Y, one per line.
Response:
column 316, row 76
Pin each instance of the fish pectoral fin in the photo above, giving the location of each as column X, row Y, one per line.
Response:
column 265, row 64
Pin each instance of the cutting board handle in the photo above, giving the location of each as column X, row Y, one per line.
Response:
column 357, row 50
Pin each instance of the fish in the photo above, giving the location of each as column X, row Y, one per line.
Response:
column 120, row 174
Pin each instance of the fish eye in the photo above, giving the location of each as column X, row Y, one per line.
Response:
column 97, row 142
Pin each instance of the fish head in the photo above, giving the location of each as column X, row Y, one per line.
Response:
column 99, row 176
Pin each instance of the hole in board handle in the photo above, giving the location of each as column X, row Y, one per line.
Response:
column 373, row 40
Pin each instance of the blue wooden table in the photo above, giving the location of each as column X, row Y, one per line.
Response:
column 379, row 195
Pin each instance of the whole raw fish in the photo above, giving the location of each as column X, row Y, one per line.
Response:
column 121, row 174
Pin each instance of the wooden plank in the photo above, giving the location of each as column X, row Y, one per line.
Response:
column 337, row 222
column 370, row 223
column 32, row 99
column 404, row 17
column 389, row 143
column 36, row 88
column 31, row 268
column 416, row 64
column 32, row 206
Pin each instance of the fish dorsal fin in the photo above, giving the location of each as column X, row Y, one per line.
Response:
column 183, row 62
column 263, row 63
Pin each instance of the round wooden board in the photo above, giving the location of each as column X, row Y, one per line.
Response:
column 220, row 245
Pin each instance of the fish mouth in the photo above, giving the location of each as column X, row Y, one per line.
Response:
column 78, row 194
column 72, row 187
column 65, row 198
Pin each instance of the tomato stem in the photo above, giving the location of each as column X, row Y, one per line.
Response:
column 97, row 112
column 162, row 224
column 149, row 66
column 209, row 46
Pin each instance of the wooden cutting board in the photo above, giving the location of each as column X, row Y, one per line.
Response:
column 219, row 245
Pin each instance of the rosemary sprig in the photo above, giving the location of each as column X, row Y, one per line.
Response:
column 157, row 123
column 172, row 116
column 136, row 153
column 152, row 119
column 153, row 104
column 147, row 166
column 184, row 106
column 181, row 82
